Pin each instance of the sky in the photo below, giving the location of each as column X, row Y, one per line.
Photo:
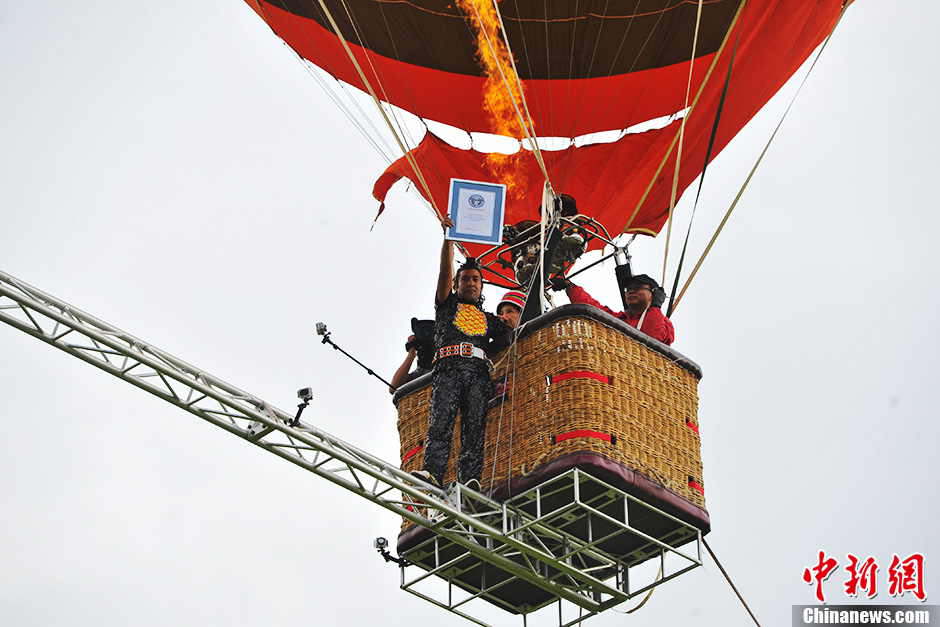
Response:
column 172, row 169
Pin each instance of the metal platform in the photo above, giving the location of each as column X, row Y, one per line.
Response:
column 593, row 541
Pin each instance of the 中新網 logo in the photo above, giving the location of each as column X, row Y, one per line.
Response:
column 903, row 576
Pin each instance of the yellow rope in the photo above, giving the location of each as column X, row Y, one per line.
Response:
column 529, row 133
column 648, row 594
column 511, row 354
column 408, row 156
column 355, row 26
column 525, row 103
column 698, row 94
column 675, row 173
column 750, row 175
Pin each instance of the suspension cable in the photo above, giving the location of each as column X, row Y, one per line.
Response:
column 675, row 173
column 364, row 44
column 529, row 133
column 373, row 141
column 515, row 71
column 511, row 355
column 730, row 583
column 701, row 180
column 688, row 113
column 407, row 153
column 383, row 150
column 750, row 175
column 403, row 128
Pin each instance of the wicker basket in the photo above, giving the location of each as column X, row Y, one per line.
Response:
column 582, row 381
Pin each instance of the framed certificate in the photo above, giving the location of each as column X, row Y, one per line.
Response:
column 477, row 211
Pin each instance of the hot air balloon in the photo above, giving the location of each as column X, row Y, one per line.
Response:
column 594, row 431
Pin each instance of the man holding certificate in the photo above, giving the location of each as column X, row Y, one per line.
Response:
column 464, row 334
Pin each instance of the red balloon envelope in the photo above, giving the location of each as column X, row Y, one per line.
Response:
column 585, row 67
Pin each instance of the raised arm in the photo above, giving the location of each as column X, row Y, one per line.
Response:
column 445, row 277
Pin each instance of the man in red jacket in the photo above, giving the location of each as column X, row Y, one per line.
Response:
column 642, row 312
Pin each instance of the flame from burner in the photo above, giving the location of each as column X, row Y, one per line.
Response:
column 499, row 101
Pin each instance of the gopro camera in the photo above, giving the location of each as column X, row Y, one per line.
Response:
column 305, row 394
column 380, row 543
column 321, row 328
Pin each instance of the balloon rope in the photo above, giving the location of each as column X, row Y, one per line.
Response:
column 375, row 138
column 659, row 575
column 407, row 153
column 403, row 130
column 401, row 127
column 499, row 426
column 511, row 355
column 529, row 132
column 760, row 158
column 525, row 104
column 675, row 173
column 701, row 178
column 698, row 94
column 730, row 583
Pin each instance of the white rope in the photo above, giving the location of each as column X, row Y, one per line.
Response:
column 547, row 202
column 512, row 421
column 750, row 175
column 402, row 128
column 512, row 60
column 675, row 174
column 529, row 133
column 374, row 138
column 407, row 154
column 373, row 141
column 499, row 428
column 393, row 109
column 502, row 404
column 688, row 114
column 639, row 323
column 378, row 137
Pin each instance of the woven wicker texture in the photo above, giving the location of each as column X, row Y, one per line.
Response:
column 648, row 406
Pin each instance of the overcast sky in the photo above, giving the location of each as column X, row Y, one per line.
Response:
column 171, row 168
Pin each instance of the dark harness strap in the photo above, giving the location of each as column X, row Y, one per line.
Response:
column 701, row 180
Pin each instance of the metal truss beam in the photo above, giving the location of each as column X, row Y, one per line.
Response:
column 523, row 555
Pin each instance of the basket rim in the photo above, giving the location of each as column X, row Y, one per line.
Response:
column 578, row 311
